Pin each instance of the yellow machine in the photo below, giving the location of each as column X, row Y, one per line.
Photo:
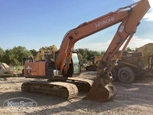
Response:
column 94, row 62
column 40, row 56
column 131, row 65
column 135, row 64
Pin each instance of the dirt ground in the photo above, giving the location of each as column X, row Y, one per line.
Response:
column 131, row 99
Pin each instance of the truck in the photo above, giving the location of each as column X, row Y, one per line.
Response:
column 134, row 64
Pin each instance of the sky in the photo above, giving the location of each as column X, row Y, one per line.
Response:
column 39, row 23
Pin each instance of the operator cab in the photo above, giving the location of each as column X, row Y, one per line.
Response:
column 74, row 66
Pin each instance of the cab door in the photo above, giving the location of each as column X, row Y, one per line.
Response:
column 76, row 64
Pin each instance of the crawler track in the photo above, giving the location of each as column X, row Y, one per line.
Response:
column 82, row 84
column 58, row 89
column 67, row 90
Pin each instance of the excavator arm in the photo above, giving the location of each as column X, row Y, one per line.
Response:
column 129, row 17
column 83, row 31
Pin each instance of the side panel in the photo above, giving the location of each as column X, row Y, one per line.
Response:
column 34, row 69
column 42, row 68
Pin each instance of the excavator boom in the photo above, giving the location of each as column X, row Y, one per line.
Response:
column 129, row 16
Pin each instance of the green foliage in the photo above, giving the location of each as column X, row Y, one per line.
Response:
column 82, row 55
column 86, row 54
column 49, row 51
column 15, row 56
column 1, row 53
column 17, row 69
column 33, row 52
column 102, row 53
column 128, row 49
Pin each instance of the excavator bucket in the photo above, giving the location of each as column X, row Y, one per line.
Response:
column 99, row 92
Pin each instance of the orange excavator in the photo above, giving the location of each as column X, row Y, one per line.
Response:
column 66, row 62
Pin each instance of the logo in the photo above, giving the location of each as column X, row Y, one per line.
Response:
column 104, row 22
column 20, row 102
column 28, row 69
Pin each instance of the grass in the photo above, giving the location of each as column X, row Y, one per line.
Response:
column 17, row 69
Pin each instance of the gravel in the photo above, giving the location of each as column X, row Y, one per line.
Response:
column 135, row 98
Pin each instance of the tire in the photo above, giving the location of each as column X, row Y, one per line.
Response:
column 126, row 75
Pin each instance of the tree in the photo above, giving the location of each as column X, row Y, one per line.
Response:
column 49, row 51
column 33, row 52
column 128, row 49
column 102, row 53
column 91, row 54
column 1, row 54
column 87, row 55
column 83, row 55
column 15, row 56
column 9, row 57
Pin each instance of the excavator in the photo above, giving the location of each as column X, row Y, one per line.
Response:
column 57, row 72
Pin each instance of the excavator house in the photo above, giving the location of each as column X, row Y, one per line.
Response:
column 56, row 73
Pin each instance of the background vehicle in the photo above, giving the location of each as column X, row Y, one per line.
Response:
column 102, row 89
column 93, row 64
column 135, row 64
column 132, row 65
column 6, row 71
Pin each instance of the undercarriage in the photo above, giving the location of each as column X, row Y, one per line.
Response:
column 67, row 90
